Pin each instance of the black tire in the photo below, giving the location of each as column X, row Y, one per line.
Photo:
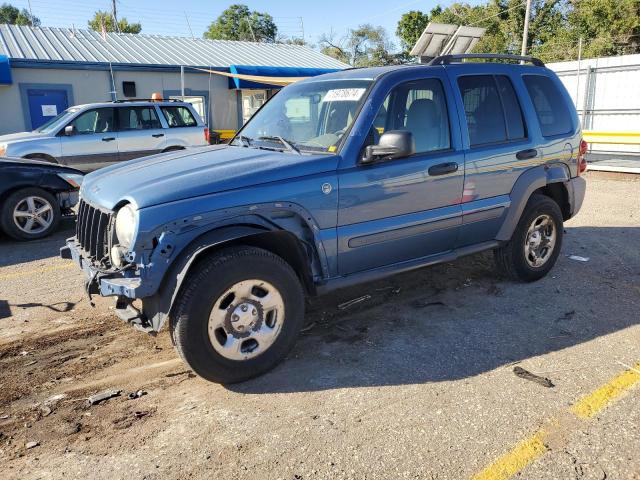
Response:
column 511, row 258
column 7, row 220
column 206, row 285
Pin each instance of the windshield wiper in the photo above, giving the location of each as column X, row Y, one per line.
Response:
column 288, row 145
column 245, row 140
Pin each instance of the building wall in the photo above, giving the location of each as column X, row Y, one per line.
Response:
column 88, row 86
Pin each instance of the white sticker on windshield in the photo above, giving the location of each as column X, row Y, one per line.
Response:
column 344, row 95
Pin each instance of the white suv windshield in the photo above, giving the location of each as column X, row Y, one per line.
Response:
column 307, row 117
column 56, row 121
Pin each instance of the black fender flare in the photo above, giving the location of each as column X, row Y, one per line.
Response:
column 527, row 183
column 157, row 307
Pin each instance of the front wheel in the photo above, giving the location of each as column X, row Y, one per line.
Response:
column 29, row 214
column 535, row 244
column 238, row 314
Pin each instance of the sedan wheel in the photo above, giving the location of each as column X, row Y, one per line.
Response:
column 33, row 215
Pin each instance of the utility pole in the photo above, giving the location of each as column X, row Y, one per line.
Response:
column 115, row 16
column 525, row 34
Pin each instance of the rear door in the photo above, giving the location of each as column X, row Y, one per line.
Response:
column 185, row 129
column 94, row 141
column 498, row 145
column 140, row 132
column 407, row 208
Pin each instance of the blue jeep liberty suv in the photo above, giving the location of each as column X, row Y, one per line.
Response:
column 338, row 179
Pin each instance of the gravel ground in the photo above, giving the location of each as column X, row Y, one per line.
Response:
column 416, row 382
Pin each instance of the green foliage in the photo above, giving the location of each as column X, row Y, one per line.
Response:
column 410, row 27
column 365, row 46
column 608, row 27
column 100, row 18
column 12, row 15
column 239, row 23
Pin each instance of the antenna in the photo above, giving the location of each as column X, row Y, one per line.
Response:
column 115, row 16
column 189, row 25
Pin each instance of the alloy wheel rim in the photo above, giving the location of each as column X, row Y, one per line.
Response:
column 540, row 241
column 246, row 319
column 33, row 215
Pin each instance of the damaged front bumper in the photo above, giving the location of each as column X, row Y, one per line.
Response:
column 124, row 285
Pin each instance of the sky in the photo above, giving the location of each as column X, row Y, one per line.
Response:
column 187, row 17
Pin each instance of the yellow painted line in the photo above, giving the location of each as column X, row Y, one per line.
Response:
column 593, row 403
column 519, row 457
column 534, row 446
column 35, row 271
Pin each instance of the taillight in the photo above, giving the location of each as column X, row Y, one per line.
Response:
column 582, row 160
column 206, row 135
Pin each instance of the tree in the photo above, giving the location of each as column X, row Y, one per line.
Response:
column 365, row 46
column 10, row 14
column 410, row 27
column 239, row 23
column 101, row 18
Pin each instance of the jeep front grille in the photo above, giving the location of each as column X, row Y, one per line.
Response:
column 92, row 232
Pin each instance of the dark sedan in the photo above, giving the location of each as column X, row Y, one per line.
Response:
column 34, row 195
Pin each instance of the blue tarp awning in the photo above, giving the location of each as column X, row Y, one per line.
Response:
column 5, row 71
column 271, row 72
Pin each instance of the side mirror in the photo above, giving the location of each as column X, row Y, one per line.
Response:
column 69, row 130
column 393, row 144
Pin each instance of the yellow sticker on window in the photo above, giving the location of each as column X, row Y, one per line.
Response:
column 332, row 148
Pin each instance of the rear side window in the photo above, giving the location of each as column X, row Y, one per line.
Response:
column 178, row 116
column 491, row 108
column 550, row 106
column 138, row 118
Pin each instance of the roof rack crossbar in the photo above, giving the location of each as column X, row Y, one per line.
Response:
column 448, row 59
column 156, row 100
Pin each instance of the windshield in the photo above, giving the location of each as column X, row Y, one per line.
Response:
column 309, row 117
column 56, row 121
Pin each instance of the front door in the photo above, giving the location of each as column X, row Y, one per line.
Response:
column 93, row 142
column 408, row 208
column 140, row 132
column 44, row 104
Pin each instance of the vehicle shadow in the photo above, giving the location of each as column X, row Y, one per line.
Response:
column 460, row 319
column 13, row 252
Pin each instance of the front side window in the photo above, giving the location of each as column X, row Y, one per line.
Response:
column 138, row 118
column 177, row 116
column 99, row 120
column 551, row 108
column 310, row 116
column 420, row 108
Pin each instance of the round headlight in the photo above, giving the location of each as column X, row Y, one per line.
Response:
column 126, row 225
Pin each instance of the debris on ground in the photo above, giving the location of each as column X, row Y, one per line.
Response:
column 527, row 375
column 578, row 258
column 30, row 445
column 32, row 362
column 136, row 394
column 308, row 327
column 141, row 414
column 567, row 316
column 101, row 397
column 355, row 301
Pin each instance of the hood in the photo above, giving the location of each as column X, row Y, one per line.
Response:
column 22, row 136
column 178, row 175
column 6, row 162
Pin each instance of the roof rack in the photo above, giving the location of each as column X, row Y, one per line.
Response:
column 448, row 59
column 146, row 100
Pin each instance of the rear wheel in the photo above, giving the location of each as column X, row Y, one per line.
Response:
column 536, row 242
column 238, row 314
column 29, row 214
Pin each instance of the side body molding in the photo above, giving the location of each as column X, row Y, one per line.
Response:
column 527, row 183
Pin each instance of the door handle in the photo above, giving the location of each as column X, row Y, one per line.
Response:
column 157, row 135
column 443, row 168
column 108, row 139
column 527, row 154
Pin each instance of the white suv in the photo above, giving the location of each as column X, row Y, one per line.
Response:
column 95, row 135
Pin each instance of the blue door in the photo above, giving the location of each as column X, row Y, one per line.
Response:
column 44, row 104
